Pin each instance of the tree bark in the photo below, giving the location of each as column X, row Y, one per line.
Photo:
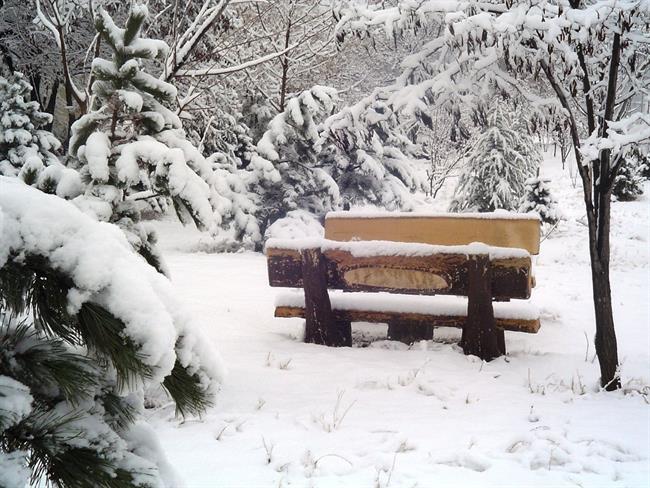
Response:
column 597, row 199
column 605, row 340
column 51, row 103
column 284, row 63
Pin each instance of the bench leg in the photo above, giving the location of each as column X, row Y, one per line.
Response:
column 480, row 335
column 501, row 341
column 343, row 334
column 408, row 332
column 321, row 327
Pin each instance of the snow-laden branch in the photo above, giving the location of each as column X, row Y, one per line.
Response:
column 191, row 37
column 57, row 26
column 233, row 69
column 47, row 23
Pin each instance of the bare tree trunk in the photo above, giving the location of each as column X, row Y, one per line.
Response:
column 285, row 68
column 597, row 198
column 605, row 340
column 51, row 103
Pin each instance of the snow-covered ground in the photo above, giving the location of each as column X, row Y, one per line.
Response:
column 295, row 414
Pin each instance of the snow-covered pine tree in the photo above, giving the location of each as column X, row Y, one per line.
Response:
column 628, row 184
column 497, row 168
column 131, row 145
column 27, row 150
column 287, row 173
column 257, row 112
column 644, row 169
column 538, row 198
column 79, row 343
column 370, row 157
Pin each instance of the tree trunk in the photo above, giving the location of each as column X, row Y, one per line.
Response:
column 597, row 198
column 51, row 103
column 284, row 63
column 605, row 340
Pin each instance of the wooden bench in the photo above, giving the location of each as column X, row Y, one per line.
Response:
column 358, row 262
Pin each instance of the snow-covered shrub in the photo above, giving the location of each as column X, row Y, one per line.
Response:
column 538, row 199
column 298, row 224
column 497, row 168
column 27, row 149
column 628, row 183
column 79, row 343
column 257, row 113
column 131, row 145
column 370, row 157
column 286, row 174
column 644, row 163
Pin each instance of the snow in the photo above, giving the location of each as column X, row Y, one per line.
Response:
column 378, row 214
column 390, row 248
column 15, row 400
column 15, row 404
column 434, row 305
column 132, row 100
column 298, row 224
column 13, row 473
column 97, row 150
column 106, row 271
column 425, row 415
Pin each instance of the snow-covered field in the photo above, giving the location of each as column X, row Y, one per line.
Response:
column 295, row 414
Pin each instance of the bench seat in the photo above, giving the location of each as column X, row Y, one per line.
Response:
column 436, row 311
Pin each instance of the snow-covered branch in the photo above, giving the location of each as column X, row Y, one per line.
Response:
column 233, row 69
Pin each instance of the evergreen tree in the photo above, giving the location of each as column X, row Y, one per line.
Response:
column 287, row 173
column 370, row 157
column 131, row 145
column 79, row 343
column 497, row 168
column 644, row 167
column 27, row 150
column 257, row 112
column 538, row 199
column 628, row 184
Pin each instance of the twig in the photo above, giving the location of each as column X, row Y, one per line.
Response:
column 333, row 455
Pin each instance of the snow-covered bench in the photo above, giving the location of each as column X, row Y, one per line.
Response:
column 396, row 271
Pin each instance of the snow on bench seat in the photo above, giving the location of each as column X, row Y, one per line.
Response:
column 391, row 248
column 439, row 311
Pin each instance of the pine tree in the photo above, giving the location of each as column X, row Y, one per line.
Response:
column 370, row 157
column 628, row 184
column 497, row 168
column 27, row 150
column 77, row 352
column 257, row 112
column 131, row 145
column 287, row 173
column 538, row 198
column 644, row 167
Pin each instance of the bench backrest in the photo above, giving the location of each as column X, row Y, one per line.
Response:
column 494, row 229
column 401, row 267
